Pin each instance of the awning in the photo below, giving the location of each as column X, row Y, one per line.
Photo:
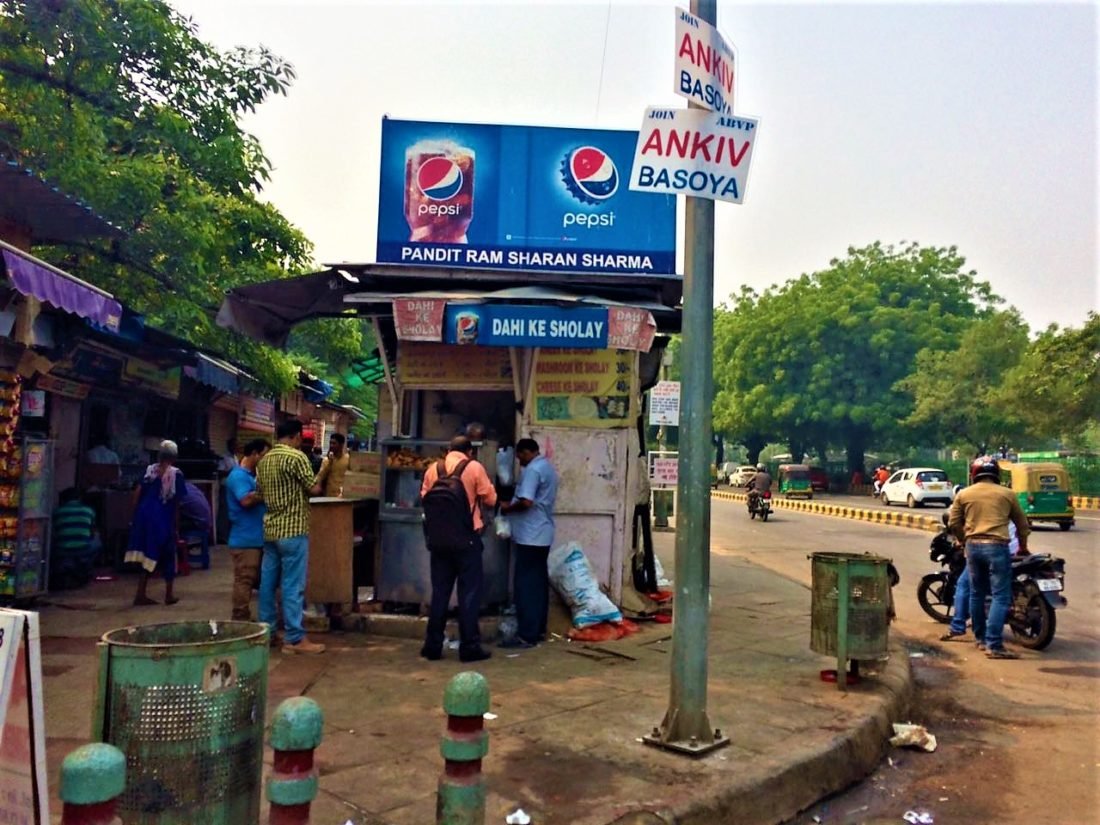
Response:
column 216, row 373
column 49, row 214
column 268, row 310
column 59, row 289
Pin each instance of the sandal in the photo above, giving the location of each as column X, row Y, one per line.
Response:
column 953, row 637
column 1001, row 653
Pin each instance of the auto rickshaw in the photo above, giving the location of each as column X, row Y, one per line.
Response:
column 794, row 481
column 1042, row 490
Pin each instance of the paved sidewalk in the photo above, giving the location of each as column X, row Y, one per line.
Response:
column 565, row 744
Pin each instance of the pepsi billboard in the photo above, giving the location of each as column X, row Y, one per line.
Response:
column 518, row 197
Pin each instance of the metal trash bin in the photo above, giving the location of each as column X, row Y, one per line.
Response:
column 856, row 626
column 185, row 701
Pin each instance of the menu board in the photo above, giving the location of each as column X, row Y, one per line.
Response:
column 422, row 365
column 584, row 388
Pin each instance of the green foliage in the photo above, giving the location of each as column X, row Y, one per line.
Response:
column 963, row 395
column 816, row 360
column 1057, row 382
column 120, row 103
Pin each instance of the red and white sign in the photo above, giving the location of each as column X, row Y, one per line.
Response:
column 418, row 319
column 664, row 469
column 630, row 328
column 704, row 64
column 23, row 796
column 695, row 153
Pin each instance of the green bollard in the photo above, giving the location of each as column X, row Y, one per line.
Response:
column 460, row 798
column 295, row 733
column 93, row 777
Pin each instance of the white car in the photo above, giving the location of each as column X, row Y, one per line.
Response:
column 917, row 486
column 742, row 476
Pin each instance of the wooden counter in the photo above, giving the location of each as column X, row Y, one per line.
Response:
column 330, row 575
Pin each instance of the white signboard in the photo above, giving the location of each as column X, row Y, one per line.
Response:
column 664, row 404
column 664, row 469
column 704, row 63
column 695, row 153
column 23, row 794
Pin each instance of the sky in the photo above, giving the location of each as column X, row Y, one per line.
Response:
column 966, row 124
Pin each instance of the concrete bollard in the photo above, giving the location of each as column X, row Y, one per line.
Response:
column 460, row 799
column 292, row 786
column 93, row 777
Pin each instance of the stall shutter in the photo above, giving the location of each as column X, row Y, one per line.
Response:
column 223, row 426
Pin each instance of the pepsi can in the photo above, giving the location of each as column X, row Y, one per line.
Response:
column 439, row 191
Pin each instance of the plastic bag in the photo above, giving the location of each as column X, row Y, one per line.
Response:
column 661, row 580
column 572, row 576
column 508, row 626
column 502, row 527
column 506, row 459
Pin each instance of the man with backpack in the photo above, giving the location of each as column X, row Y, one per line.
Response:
column 454, row 490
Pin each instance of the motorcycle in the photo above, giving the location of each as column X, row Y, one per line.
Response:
column 1037, row 583
column 760, row 504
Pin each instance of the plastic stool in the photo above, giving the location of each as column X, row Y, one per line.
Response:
column 198, row 548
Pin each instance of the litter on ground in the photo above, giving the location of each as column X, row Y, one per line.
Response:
column 912, row 736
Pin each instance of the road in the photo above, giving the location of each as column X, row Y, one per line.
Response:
column 1019, row 741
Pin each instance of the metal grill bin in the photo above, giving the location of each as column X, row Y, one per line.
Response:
column 185, row 703
column 849, row 613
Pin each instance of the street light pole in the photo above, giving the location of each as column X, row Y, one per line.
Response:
column 686, row 727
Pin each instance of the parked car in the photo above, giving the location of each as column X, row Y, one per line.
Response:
column 742, row 476
column 819, row 479
column 725, row 470
column 917, row 486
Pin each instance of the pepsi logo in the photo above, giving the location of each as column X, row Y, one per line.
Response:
column 590, row 174
column 439, row 178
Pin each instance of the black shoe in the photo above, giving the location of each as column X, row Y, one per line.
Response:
column 518, row 643
column 431, row 655
column 479, row 654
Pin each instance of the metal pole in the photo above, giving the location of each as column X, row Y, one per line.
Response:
column 686, row 727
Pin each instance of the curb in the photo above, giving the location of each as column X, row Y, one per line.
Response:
column 1085, row 502
column 804, row 780
column 909, row 520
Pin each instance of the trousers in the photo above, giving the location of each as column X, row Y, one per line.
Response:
column 448, row 568
column 531, row 590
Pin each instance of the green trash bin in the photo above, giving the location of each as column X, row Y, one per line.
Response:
column 849, row 611
column 185, row 703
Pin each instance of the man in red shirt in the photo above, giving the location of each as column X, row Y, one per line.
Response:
column 461, row 564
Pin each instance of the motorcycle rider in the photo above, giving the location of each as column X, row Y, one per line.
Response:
column 760, row 483
column 980, row 516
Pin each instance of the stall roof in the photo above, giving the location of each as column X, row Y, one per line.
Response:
column 50, row 214
column 267, row 311
column 38, row 279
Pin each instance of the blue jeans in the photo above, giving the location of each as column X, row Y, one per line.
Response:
column 284, row 564
column 990, row 567
column 960, row 614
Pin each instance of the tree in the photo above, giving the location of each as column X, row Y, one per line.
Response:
column 963, row 395
column 816, row 360
column 123, row 105
column 1056, row 384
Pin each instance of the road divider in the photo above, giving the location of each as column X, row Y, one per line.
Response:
column 912, row 521
column 1085, row 502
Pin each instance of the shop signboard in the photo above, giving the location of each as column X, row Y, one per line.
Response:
column 584, row 388
column 519, row 198
column 510, row 325
column 439, row 366
column 97, row 367
column 705, row 64
column 62, row 386
column 630, row 328
column 23, row 795
column 664, row 404
column 695, row 153
column 418, row 319
column 165, row 382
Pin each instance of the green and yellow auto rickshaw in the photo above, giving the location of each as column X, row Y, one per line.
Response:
column 794, row 481
column 1042, row 489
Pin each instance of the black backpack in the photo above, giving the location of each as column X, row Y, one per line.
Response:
column 448, row 518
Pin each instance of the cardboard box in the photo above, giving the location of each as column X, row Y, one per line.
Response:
column 362, row 485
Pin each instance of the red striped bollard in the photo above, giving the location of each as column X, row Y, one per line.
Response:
column 460, row 799
column 292, row 786
column 93, row 777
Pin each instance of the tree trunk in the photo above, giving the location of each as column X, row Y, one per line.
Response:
column 797, row 449
column 854, row 449
column 720, row 449
column 754, row 445
column 822, row 451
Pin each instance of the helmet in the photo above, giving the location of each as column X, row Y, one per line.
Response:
column 760, row 468
column 985, row 467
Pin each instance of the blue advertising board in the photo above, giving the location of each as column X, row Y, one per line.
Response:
column 508, row 325
column 519, row 197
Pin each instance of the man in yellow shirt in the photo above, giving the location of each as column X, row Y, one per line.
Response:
column 334, row 468
column 980, row 516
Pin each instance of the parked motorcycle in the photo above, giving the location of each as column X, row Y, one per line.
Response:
column 760, row 504
column 1037, row 583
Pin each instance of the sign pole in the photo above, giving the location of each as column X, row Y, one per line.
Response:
column 686, row 727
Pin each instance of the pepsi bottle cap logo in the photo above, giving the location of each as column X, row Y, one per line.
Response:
column 590, row 174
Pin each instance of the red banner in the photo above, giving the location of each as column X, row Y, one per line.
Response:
column 418, row 319
column 630, row 328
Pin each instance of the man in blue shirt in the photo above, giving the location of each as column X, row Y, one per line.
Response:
column 246, row 526
column 531, row 513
